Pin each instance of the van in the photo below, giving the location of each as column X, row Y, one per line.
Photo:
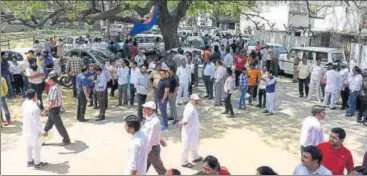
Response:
column 333, row 55
column 146, row 43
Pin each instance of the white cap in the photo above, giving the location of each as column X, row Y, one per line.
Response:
column 194, row 97
column 150, row 105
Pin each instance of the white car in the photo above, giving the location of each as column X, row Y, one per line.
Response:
column 146, row 43
column 73, row 42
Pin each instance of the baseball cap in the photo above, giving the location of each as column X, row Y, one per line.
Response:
column 194, row 97
column 150, row 105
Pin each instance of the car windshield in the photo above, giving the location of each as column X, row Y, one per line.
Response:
column 99, row 55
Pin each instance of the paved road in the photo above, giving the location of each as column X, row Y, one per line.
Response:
column 241, row 144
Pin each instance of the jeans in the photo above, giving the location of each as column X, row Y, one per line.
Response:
column 209, row 86
column 228, row 104
column 252, row 92
column 363, row 110
column 141, row 101
column 102, row 103
column 303, row 83
column 39, row 89
column 82, row 105
column 237, row 73
column 242, row 100
column 25, row 85
column 132, row 94
column 345, row 97
column 262, row 97
column 122, row 92
column 10, row 87
column 352, row 102
column 73, row 81
column 163, row 109
column 4, row 107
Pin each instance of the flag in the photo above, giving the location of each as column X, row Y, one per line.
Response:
column 147, row 24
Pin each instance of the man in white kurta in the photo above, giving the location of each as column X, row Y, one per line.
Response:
column 184, row 76
column 316, row 74
column 190, row 132
column 332, row 86
column 32, row 129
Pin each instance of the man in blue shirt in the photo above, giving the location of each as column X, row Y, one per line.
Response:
column 209, row 71
column 82, row 92
column 270, row 93
column 101, row 86
column 91, row 75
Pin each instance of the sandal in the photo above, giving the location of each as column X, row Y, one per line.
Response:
column 188, row 165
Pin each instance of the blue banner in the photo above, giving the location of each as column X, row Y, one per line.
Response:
column 147, row 25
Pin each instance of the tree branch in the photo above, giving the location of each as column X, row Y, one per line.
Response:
column 180, row 10
column 142, row 11
column 355, row 3
column 42, row 22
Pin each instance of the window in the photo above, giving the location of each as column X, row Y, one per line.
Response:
column 337, row 57
column 149, row 40
column 323, row 56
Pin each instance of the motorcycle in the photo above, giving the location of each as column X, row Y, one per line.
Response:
column 65, row 80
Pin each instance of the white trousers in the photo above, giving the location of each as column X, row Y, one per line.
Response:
column 332, row 99
column 185, row 154
column 33, row 147
column 314, row 84
column 183, row 88
column 270, row 101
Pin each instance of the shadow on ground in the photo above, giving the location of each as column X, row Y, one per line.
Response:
column 58, row 168
column 76, row 147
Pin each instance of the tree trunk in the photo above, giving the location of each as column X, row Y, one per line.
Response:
column 169, row 33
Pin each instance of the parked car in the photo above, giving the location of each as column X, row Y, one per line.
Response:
column 73, row 42
column 146, row 43
column 251, row 45
column 282, row 50
column 195, row 42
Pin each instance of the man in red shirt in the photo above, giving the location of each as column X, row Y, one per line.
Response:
column 336, row 157
column 239, row 63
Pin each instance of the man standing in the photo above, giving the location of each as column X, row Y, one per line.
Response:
column 101, row 86
column 220, row 77
column 133, row 76
column 228, row 59
column 154, row 78
column 311, row 132
column 303, row 71
column 32, row 129
column 270, row 93
column 35, row 77
column 190, row 132
column 108, row 75
column 4, row 105
column 228, row 90
column 243, row 89
column 262, row 86
column 162, row 95
column 140, row 59
column 73, row 67
column 173, row 88
column 54, row 102
column 355, row 85
column 122, row 74
column 332, row 85
column 336, row 157
column 266, row 60
column 363, row 109
column 311, row 163
column 142, row 85
column 316, row 74
column 344, row 73
column 152, row 130
column 91, row 90
column 239, row 63
column 254, row 77
column 178, row 57
column 138, row 149
column 209, row 71
column 5, row 73
column 275, row 53
column 184, row 76
column 82, row 90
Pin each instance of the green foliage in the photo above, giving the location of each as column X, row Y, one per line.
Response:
column 24, row 9
column 215, row 8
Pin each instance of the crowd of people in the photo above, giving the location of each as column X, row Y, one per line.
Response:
column 226, row 69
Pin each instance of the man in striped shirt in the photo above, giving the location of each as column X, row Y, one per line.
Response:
column 54, row 102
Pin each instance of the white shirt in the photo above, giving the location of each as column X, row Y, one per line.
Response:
column 311, row 133
column 332, row 81
column 134, row 73
column 355, row 82
column 262, row 84
column 302, row 170
column 122, row 74
column 140, row 60
column 265, row 54
column 192, row 68
column 229, row 85
column 228, row 60
column 152, row 129
column 190, row 131
column 37, row 80
column 220, row 73
column 113, row 71
column 316, row 72
column 184, row 75
column 32, row 127
column 224, row 42
column 137, row 154
column 14, row 69
column 303, row 70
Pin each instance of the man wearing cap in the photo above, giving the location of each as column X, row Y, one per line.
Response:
column 344, row 94
column 54, row 102
column 190, row 132
column 332, row 86
column 35, row 76
column 152, row 129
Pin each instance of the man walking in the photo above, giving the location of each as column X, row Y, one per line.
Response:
column 190, row 132
column 35, row 77
column 82, row 90
column 101, row 86
column 122, row 74
column 152, row 130
column 54, row 102
column 355, row 84
column 209, row 71
column 173, row 88
column 220, row 77
column 73, row 67
column 32, row 130
column 316, row 74
column 228, row 90
column 138, row 149
column 311, row 132
column 303, row 72
column 142, row 85
column 332, row 85
column 184, row 76
column 163, row 94
column 270, row 94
